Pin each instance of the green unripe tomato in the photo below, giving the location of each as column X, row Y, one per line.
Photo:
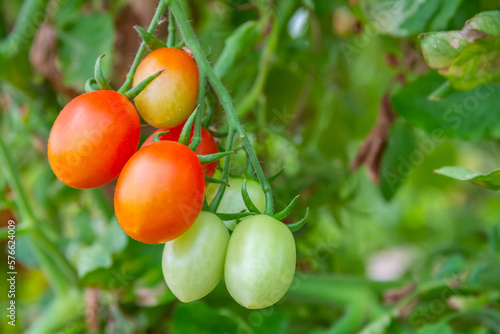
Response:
column 193, row 264
column 232, row 201
column 260, row 262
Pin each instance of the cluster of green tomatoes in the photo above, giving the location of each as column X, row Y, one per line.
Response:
column 161, row 187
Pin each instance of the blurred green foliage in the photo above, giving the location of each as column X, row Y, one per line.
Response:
column 307, row 78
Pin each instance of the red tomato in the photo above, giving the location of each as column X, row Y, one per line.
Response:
column 160, row 192
column 207, row 144
column 169, row 99
column 92, row 139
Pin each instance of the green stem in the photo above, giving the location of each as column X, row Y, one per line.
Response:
column 225, row 171
column 196, row 140
column 224, row 98
column 59, row 272
column 152, row 27
column 171, row 30
column 31, row 16
column 265, row 61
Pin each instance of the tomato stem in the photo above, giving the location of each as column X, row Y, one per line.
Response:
column 171, row 30
column 162, row 6
column 196, row 140
column 225, row 99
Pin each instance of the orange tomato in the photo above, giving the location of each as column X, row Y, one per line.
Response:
column 92, row 139
column 169, row 99
column 160, row 192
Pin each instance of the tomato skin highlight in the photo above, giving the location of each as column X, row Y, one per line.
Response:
column 169, row 99
column 92, row 138
column 193, row 264
column 160, row 192
column 207, row 144
column 260, row 262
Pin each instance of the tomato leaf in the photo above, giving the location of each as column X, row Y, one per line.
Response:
column 467, row 58
column 463, row 114
column 80, row 42
column 91, row 258
column 396, row 165
column 439, row 328
column 408, row 17
column 490, row 180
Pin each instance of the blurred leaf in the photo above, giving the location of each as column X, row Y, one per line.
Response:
column 440, row 328
column 378, row 326
column 92, row 258
column 403, row 18
column 237, row 46
column 445, row 13
column 467, row 115
column 467, row 58
column 24, row 252
column 80, row 45
column 490, row 180
column 451, row 266
column 114, row 239
column 396, row 166
column 198, row 318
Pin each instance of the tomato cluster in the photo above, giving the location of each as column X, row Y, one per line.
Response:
column 161, row 187
column 257, row 260
column 160, row 190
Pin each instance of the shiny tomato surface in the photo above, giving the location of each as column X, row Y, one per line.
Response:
column 160, row 192
column 92, row 139
column 169, row 99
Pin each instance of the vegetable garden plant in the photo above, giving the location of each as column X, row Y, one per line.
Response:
column 176, row 196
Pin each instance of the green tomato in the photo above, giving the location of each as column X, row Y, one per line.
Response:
column 232, row 201
column 193, row 263
column 260, row 262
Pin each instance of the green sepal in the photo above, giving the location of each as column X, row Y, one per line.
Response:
column 209, row 158
column 101, row 80
column 246, row 198
column 152, row 43
column 134, row 91
column 286, row 211
column 157, row 136
column 298, row 225
column 88, row 85
column 186, row 129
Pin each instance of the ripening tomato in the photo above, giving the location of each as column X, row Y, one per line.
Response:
column 207, row 144
column 169, row 99
column 232, row 201
column 193, row 264
column 92, row 139
column 160, row 192
column 260, row 262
